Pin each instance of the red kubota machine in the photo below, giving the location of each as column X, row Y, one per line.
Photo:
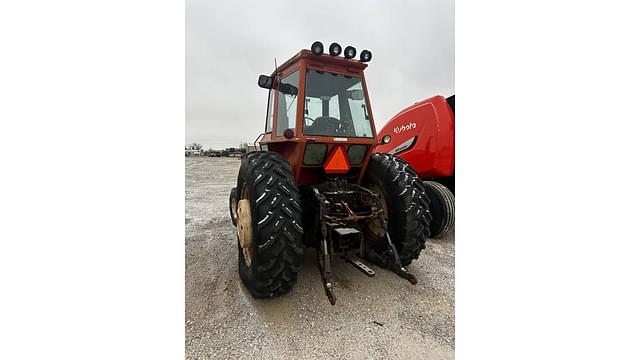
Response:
column 423, row 135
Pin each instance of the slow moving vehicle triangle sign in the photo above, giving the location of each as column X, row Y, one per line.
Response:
column 337, row 162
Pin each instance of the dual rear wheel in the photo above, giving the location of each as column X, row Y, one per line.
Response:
column 405, row 205
column 265, row 207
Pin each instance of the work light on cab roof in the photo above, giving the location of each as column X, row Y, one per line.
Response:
column 317, row 179
column 335, row 49
column 349, row 52
column 317, row 48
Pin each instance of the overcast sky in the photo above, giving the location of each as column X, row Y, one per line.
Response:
column 229, row 43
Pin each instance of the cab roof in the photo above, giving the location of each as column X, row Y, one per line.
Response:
column 324, row 59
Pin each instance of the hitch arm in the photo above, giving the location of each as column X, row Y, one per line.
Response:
column 392, row 260
column 324, row 258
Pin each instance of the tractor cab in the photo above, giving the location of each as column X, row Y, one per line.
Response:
column 319, row 115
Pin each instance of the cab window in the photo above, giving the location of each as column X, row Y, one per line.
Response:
column 287, row 104
column 335, row 106
column 267, row 127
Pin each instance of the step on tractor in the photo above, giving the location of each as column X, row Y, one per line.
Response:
column 423, row 135
column 318, row 181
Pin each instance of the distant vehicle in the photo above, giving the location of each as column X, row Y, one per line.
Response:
column 192, row 152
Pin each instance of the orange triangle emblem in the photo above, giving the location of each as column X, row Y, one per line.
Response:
column 337, row 162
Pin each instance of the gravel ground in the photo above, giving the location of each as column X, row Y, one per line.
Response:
column 384, row 317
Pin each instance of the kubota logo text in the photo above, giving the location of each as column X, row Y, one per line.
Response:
column 399, row 129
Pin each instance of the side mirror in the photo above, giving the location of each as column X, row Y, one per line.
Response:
column 265, row 82
column 385, row 140
column 288, row 89
column 355, row 94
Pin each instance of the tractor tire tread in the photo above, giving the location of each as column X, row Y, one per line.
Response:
column 410, row 231
column 443, row 209
column 233, row 198
column 277, row 237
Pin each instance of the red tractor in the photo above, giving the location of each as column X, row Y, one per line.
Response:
column 319, row 180
column 423, row 135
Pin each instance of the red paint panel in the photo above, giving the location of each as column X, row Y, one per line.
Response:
column 431, row 123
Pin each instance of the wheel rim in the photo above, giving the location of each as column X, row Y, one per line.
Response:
column 244, row 227
column 374, row 226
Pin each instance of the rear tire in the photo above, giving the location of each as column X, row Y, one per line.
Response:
column 407, row 207
column 275, row 244
column 233, row 205
column 442, row 208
